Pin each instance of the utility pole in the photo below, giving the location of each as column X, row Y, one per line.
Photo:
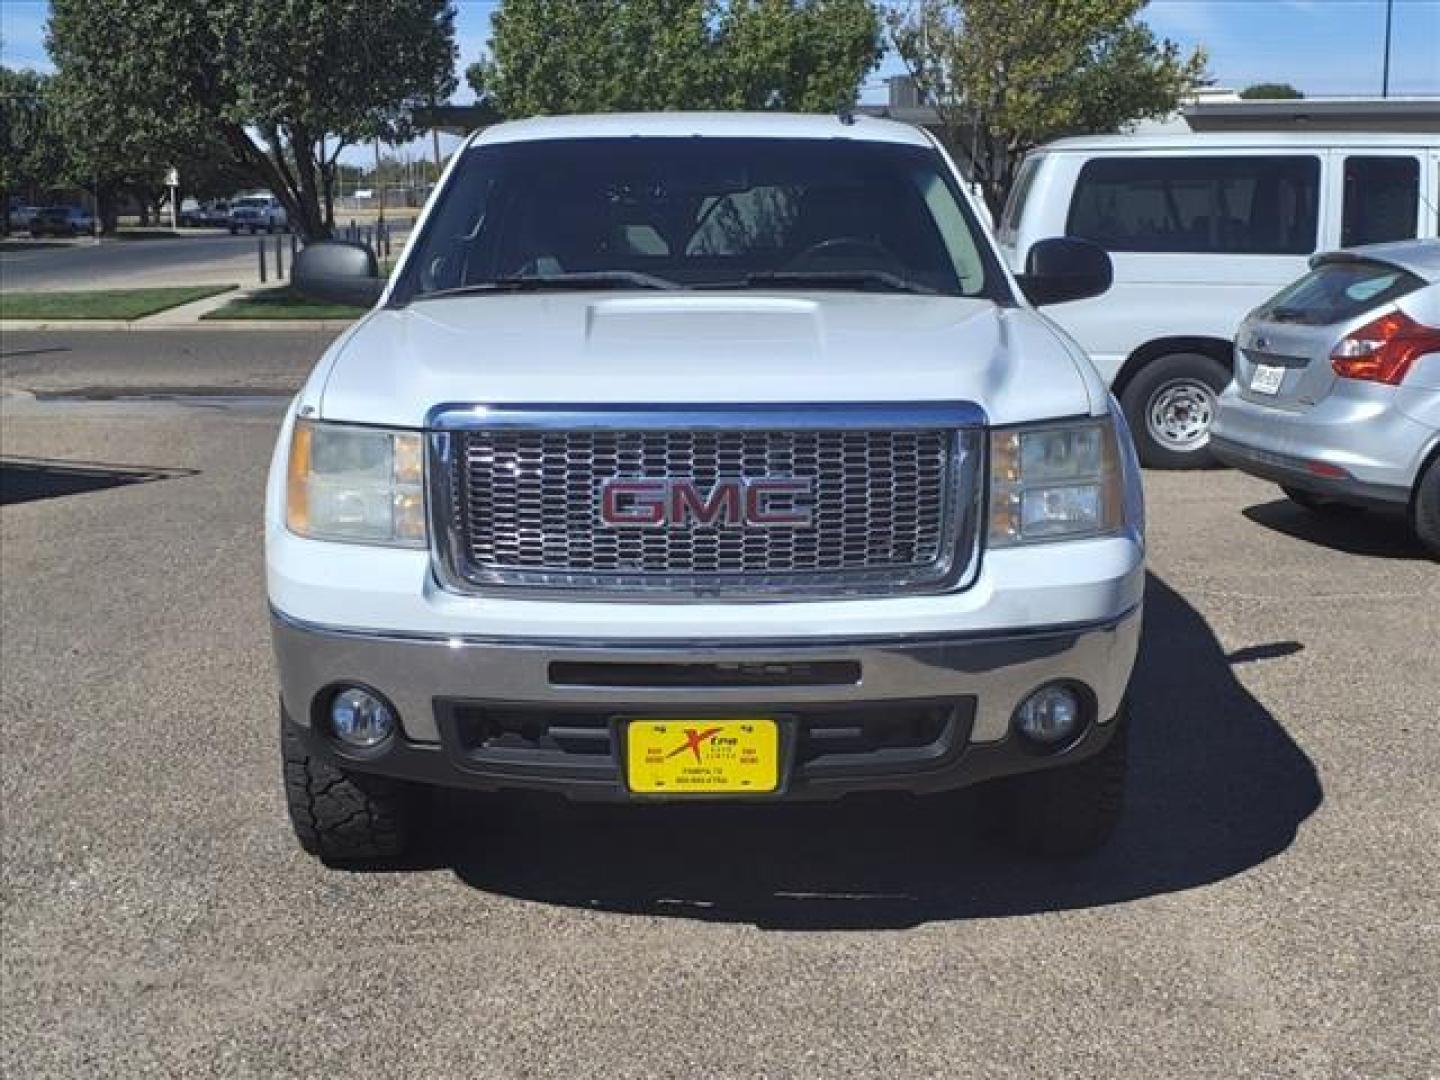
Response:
column 1385, row 78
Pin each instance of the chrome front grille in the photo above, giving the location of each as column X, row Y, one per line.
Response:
column 890, row 508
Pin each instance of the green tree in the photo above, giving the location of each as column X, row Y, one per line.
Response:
column 283, row 86
column 31, row 151
column 560, row 56
column 1271, row 91
column 1006, row 75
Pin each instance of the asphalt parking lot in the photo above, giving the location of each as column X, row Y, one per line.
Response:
column 1269, row 907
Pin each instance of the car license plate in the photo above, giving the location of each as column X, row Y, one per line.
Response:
column 703, row 757
column 1267, row 379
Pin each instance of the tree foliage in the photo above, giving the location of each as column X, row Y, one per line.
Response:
column 1006, row 75
column 560, row 56
column 1271, row 91
column 278, row 87
column 31, row 150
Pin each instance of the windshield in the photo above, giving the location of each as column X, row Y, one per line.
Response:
column 701, row 213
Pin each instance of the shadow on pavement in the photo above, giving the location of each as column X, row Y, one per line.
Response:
column 28, row 479
column 1379, row 534
column 1217, row 786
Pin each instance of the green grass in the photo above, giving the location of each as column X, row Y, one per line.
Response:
column 102, row 303
column 283, row 303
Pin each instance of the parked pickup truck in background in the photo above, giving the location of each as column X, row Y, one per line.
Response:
column 703, row 457
column 257, row 213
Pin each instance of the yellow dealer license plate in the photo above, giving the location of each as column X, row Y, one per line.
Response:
column 703, row 757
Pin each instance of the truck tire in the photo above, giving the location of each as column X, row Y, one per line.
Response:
column 1170, row 404
column 343, row 817
column 1067, row 810
column 1425, row 509
column 1319, row 504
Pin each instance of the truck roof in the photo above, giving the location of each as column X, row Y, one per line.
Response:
column 765, row 125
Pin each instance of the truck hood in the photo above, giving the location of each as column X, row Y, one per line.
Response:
column 687, row 348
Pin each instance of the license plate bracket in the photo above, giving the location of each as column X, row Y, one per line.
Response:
column 691, row 756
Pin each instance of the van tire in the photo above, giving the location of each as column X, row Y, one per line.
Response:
column 1319, row 504
column 1425, row 509
column 1067, row 810
column 340, row 817
column 1184, row 382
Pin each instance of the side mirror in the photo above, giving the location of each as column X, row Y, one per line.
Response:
column 1065, row 268
column 338, row 272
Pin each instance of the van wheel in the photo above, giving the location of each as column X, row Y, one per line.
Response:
column 1170, row 404
column 343, row 817
column 1318, row 504
column 1067, row 810
column 1425, row 511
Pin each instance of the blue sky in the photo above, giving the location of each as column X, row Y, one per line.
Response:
column 1323, row 47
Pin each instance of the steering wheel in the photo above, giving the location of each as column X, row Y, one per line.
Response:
column 844, row 247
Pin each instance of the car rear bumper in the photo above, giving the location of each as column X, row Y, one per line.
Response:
column 912, row 715
column 1356, row 444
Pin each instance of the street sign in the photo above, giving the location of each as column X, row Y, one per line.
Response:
column 172, row 178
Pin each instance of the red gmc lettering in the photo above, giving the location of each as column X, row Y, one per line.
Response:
column 633, row 502
column 758, row 496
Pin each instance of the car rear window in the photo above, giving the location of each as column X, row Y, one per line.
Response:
column 1336, row 292
column 1252, row 205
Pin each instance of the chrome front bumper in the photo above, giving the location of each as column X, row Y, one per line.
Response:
column 978, row 680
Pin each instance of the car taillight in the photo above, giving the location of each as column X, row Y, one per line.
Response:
column 1383, row 350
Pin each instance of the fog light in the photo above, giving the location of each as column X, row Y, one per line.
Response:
column 360, row 719
column 1050, row 716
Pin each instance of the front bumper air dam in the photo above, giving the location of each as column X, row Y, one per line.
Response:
column 965, row 688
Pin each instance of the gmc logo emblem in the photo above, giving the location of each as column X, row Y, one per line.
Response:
column 764, row 502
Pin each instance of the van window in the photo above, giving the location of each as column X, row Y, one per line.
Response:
column 1019, row 195
column 1238, row 205
column 1382, row 199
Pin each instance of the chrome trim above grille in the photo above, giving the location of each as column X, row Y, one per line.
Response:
column 458, row 569
column 766, row 416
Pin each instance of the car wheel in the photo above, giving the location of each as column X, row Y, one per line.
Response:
column 343, row 817
column 1170, row 404
column 1319, row 504
column 1425, row 509
column 1066, row 810
column 234, row 231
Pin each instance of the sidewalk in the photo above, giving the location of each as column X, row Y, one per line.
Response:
column 184, row 317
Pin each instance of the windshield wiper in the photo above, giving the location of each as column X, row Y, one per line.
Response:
column 589, row 279
column 832, row 279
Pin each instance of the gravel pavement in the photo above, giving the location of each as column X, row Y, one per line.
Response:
column 1269, row 907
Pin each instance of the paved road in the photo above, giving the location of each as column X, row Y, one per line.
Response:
column 201, row 257
column 1270, row 906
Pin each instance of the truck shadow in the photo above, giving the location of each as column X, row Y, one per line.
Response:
column 1217, row 786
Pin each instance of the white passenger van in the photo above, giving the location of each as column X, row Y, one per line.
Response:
column 1201, row 228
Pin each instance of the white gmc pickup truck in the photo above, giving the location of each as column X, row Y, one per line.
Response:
column 703, row 456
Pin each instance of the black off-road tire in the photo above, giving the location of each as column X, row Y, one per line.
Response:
column 1068, row 810
column 1425, row 509
column 341, row 817
column 1168, row 375
column 1319, row 504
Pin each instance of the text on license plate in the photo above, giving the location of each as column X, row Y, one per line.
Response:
column 1267, row 379
column 705, row 756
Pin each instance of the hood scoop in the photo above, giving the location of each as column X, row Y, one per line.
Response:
column 710, row 328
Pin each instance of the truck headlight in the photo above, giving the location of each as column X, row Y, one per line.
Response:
column 360, row 484
column 1061, row 482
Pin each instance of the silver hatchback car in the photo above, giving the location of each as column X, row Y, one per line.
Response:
column 1336, row 395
